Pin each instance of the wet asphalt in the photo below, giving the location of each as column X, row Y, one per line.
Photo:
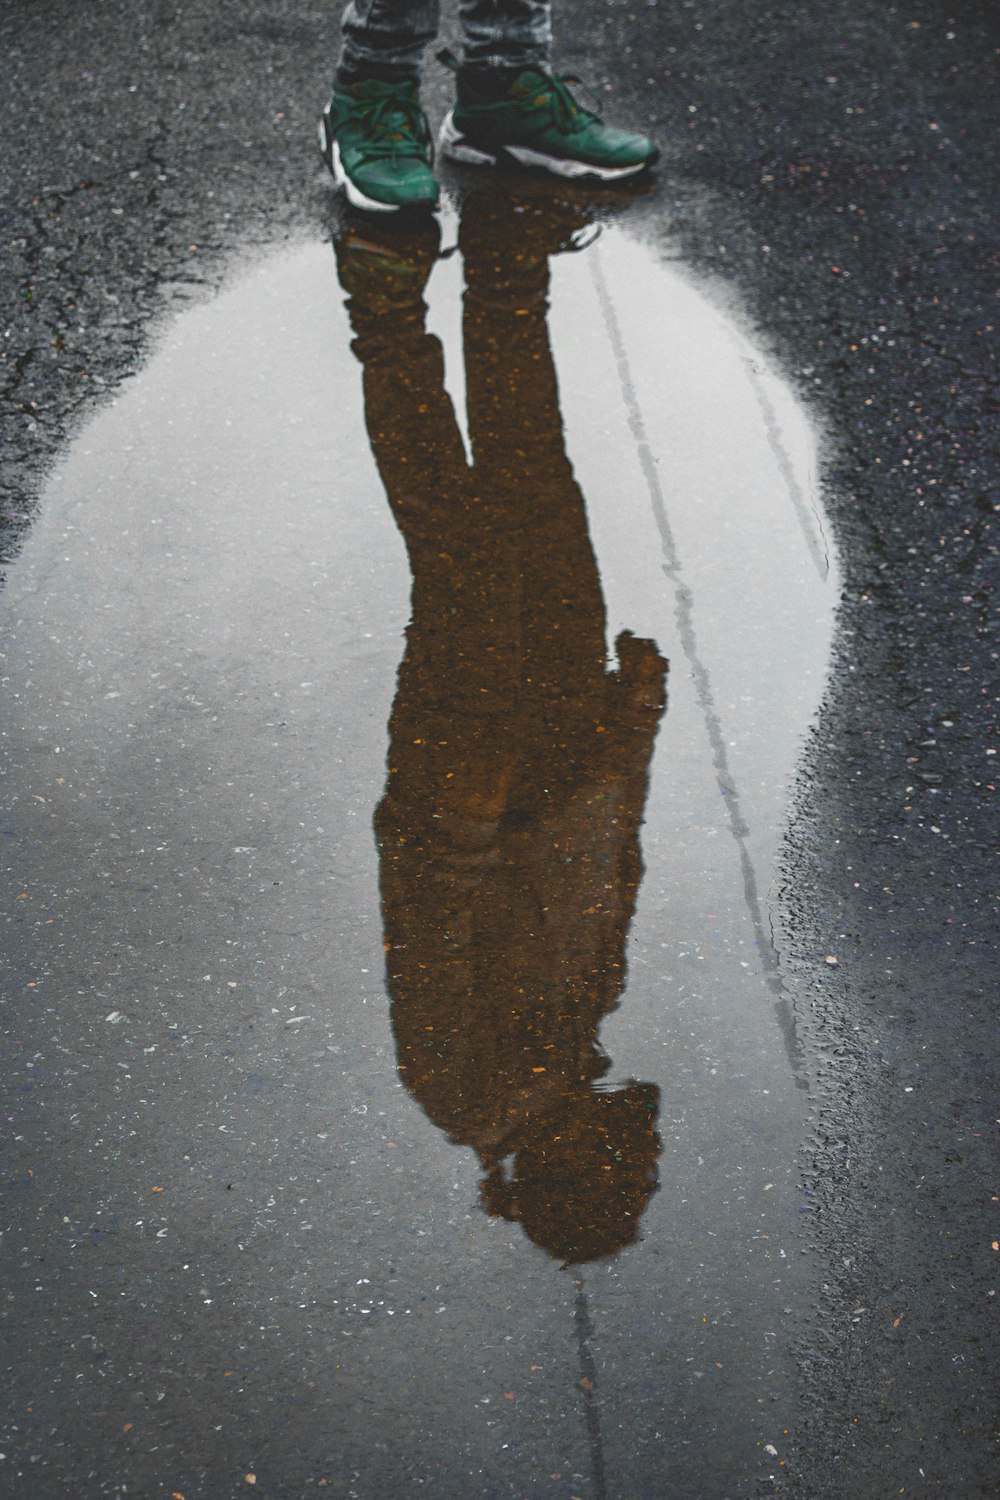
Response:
column 828, row 181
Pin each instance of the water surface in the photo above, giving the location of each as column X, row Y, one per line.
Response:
column 405, row 1090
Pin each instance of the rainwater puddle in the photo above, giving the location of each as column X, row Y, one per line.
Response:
column 559, row 928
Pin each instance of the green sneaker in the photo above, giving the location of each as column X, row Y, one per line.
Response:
column 538, row 123
column 376, row 141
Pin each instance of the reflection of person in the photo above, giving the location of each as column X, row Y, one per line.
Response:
column 518, row 762
column 510, row 106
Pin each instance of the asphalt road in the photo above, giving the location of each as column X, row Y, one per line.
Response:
column 830, row 171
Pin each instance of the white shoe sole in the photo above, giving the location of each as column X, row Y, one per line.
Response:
column 354, row 195
column 454, row 145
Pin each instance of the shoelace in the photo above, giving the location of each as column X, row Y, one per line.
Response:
column 567, row 110
column 395, row 125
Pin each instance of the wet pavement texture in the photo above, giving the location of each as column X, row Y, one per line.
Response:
column 500, row 972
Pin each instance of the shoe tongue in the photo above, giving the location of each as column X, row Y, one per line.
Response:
column 532, row 79
column 380, row 88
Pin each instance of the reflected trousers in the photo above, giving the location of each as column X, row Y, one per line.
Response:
column 387, row 38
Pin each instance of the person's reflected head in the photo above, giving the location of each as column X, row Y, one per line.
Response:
column 581, row 1181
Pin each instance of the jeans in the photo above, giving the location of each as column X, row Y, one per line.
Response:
column 386, row 38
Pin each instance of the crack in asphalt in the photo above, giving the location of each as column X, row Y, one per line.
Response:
column 684, row 613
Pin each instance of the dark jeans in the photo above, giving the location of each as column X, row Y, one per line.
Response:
column 386, row 38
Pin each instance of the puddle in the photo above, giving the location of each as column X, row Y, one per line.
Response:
column 283, row 1063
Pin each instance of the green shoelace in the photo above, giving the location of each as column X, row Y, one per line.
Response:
column 394, row 125
column 567, row 113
